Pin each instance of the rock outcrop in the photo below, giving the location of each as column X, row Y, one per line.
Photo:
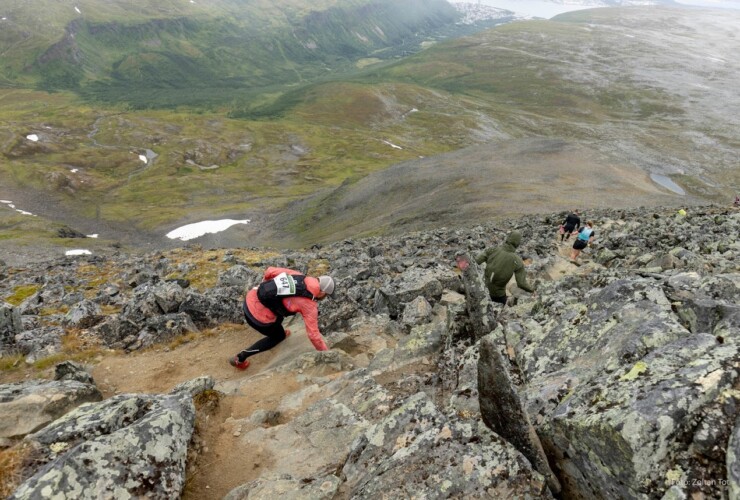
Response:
column 621, row 376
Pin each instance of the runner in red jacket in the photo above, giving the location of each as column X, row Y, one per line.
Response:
column 283, row 292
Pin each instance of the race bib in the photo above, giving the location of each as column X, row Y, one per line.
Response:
column 285, row 284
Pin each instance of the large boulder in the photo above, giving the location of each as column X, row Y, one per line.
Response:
column 29, row 406
column 38, row 343
column 418, row 449
column 138, row 444
column 617, row 382
column 409, row 285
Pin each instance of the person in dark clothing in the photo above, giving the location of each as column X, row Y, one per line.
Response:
column 283, row 292
column 571, row 223
column 502, row 263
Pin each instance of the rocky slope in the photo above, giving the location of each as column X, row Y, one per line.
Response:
column 625, row 366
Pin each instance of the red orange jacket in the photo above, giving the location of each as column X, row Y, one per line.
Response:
column 306, row 307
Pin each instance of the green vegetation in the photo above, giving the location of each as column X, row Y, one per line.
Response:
column 21, row 293
column 148, row 56
column 251, row 111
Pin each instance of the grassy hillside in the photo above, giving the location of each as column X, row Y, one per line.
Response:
column 639, row 90
column 171, row 54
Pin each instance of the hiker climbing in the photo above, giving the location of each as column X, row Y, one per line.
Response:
column 585, row 238
column 571, row 223
column 502, row 263
column 283, row 292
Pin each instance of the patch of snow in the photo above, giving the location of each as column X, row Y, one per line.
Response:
column 143, row 158
column 32, row 137
column 74, row 170
column 198, row 229
column 78, row 252
column 391, row 144
column 91, row 235
column 77, row 10
column 667, row 183
column 12, row 206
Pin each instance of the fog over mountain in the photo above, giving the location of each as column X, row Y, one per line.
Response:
column 547, row 9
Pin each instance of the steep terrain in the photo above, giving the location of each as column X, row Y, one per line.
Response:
column 627, row 366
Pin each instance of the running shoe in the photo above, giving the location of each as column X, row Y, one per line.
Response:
column 241, row 365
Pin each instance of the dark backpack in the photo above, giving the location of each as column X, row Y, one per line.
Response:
column 272, row 292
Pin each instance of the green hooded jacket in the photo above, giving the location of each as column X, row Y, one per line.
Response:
column 501, row 264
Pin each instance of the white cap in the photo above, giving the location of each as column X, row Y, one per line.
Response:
column 326, row 284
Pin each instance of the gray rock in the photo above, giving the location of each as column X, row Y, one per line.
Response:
column 733, row 462
column 239, row 276
column 410, row 284
column 69, row 370
column 38, row 343
column 10, row 326
column 29, row 406
column 417, row 449
column 84, row 314
column 502, row 409
column 287, row 487
column 416, row 312
column 138, row 443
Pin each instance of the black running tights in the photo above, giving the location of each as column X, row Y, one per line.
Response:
column 274, row 334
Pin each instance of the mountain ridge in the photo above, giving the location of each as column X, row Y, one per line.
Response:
column 602, row 80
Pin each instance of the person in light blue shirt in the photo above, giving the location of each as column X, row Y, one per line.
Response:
column 585, row 237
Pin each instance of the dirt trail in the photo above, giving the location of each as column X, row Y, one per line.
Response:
column 222, row 464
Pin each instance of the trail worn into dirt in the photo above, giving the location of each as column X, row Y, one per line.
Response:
column 222, row 463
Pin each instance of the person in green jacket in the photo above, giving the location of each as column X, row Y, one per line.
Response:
column 502, row 263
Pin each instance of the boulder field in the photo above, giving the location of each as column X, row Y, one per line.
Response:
column 618, row 378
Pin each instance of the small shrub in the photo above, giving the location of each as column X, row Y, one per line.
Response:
column 12, row 461
column 11, row 362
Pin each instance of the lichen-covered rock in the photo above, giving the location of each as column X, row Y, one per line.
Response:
column 319, row 363
column 239, row 276
column 10, row 326
column 316, row 440
column 38, row 343
column 28, row 406
column 163, row 329
column 217, row 305
column 417, row 450
column 137, row 443
column 69, row 370
column 410, row 284
column 416, row 312
column 423, row 340
column 84, row 314
column 619, row 433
